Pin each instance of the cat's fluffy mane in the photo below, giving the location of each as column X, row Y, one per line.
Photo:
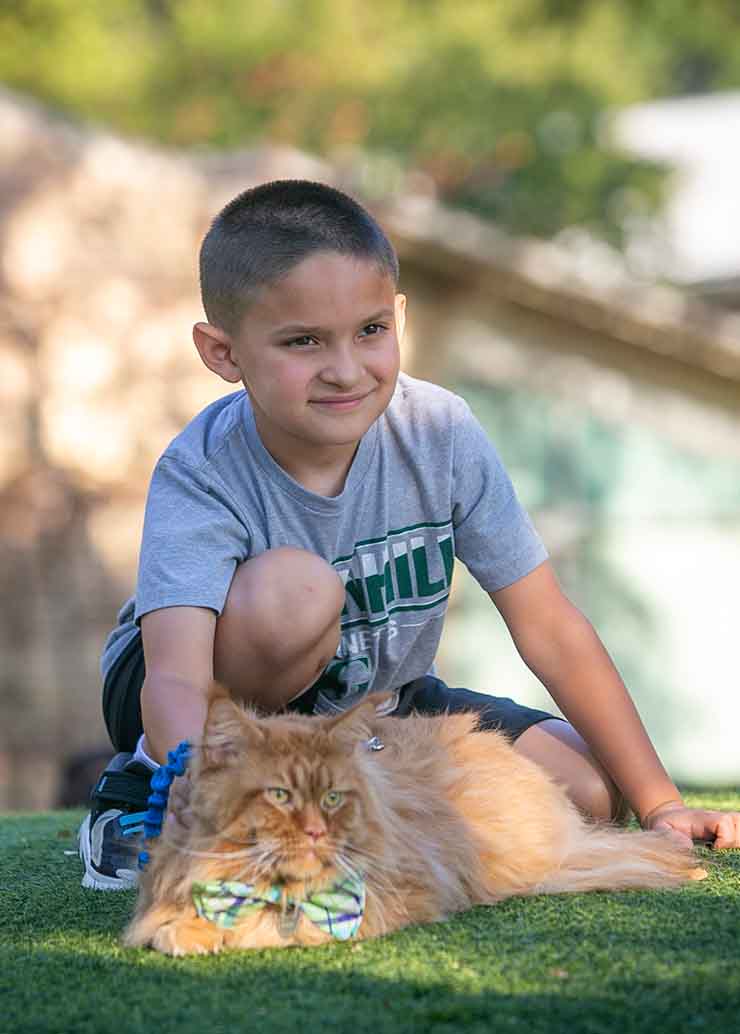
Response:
column 443, row 818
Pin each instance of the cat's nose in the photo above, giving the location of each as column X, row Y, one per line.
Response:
column 314, row 827
column 312, row 823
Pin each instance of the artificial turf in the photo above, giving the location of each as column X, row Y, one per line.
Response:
column 660, row 962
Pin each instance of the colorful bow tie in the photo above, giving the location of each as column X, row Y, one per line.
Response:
column 338, row 909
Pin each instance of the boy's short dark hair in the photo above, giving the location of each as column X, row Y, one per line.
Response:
column 267, row 230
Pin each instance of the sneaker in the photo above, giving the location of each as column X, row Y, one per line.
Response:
column 112, row 835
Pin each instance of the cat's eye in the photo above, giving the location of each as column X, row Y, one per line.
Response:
column 332, row 799
column 278, row 794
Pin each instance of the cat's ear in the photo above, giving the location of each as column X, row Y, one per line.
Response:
column 228, row 730
column 354, row 724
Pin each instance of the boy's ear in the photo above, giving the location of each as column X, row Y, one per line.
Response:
column 214, row 348
column 228, row 731
column 399, row 306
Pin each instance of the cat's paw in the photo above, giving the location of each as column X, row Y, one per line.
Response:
column 188, row 937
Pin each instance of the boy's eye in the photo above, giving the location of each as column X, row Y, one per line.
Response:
column 304, row 340
column 278, row 794
column 332, row 799
column 371, row 330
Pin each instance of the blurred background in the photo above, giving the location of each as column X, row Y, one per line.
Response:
column 560, row 179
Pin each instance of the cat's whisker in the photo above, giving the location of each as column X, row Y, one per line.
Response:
column 342, row 860
column 383, row 891
column 354, row 867
column 260, row 858
column 209, row 837
column 374, row 877
column 349, row 844
column 344, row 864
column 362, row 857
column 354, row 849
column 194, row 853
column 264, row 865
column 244, row 852
column 386, row 890
column 256, row 870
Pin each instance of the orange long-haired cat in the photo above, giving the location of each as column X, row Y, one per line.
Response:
column 304, row 830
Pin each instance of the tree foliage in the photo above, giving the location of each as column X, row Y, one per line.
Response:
column 500, row 104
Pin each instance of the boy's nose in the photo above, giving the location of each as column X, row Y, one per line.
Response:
column 343, row 367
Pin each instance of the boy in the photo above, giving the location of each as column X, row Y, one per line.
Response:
column 300, row 536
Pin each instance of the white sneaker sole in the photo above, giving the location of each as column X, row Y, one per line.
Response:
column 125, row 879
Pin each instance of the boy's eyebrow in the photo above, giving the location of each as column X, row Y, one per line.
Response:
column 304, row 328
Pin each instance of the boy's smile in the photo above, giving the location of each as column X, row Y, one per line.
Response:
column 318, row 353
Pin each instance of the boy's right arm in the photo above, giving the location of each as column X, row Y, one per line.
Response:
column 178, row 656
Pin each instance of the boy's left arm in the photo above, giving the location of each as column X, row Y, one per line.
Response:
column 562, row 649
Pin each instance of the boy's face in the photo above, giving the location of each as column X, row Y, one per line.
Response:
column 318, row 353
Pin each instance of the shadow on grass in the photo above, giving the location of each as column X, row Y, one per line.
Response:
column 76, row 993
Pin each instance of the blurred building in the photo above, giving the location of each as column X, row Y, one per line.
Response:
column 614, row 404
column 695, row 240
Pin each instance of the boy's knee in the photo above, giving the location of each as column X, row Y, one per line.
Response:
column 287, row 588
column 600, row 798
column 565, row 755
column 283, row 607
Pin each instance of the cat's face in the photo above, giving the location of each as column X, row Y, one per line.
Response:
column 291, row 788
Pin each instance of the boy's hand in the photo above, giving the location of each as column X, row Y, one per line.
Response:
column 720, row 828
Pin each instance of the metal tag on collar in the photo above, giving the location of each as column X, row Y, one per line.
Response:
column 288, row 921
column 375, row 743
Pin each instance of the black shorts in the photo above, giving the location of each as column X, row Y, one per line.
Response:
column 425, row 695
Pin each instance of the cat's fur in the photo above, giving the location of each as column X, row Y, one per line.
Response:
column 443, row 818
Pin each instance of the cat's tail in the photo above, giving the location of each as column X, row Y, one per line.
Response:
column 606, row 857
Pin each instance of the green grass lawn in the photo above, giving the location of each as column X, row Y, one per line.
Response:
column 658, row 962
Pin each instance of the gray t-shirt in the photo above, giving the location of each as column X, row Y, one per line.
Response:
column 425, row 485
